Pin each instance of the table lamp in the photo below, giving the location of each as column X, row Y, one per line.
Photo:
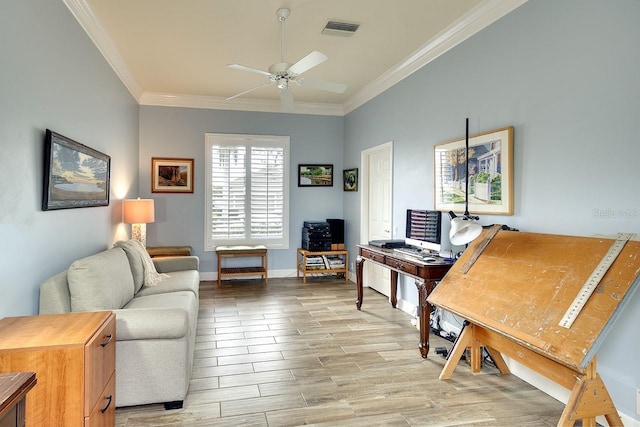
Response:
column 138, row 212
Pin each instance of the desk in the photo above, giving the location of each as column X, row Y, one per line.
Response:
column 426, row 275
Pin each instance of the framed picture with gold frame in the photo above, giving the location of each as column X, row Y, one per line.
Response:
column 490, row 173
column 171, row 175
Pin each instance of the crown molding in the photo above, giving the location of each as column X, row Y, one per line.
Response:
column 478, row 18
column 91, row 25
column 248, row 104
column 471, row 23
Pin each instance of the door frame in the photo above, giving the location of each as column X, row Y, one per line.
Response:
column 365, row 183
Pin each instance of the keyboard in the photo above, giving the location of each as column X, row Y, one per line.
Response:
column 424, row 256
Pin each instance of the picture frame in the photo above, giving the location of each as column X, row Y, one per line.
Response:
column 315, row 175
column 171, row 175
column 350, row 179
column 75, row 176
column 490, row 173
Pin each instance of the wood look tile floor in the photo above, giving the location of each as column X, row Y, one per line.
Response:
column 292, row 354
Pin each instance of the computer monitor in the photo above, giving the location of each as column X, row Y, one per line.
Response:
column 424, row 229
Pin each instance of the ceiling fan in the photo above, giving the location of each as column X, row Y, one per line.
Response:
column 283, row 73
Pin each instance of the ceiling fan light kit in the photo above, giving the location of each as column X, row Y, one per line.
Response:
column 282, row 73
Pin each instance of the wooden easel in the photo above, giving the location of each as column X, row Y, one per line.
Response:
column 514, row 288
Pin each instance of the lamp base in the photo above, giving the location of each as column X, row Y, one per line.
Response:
column 139, row 233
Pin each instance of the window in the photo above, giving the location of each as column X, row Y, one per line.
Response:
column 247, row 190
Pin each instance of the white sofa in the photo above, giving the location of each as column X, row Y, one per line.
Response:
column 155, row 325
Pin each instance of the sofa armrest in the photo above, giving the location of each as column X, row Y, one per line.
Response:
column 176, row 263
column 151, row 323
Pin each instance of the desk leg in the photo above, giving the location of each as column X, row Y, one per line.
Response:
column 359, row 265
column 394, row 288
column 424, row 311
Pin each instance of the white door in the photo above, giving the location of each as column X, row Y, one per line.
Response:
column 377, row 209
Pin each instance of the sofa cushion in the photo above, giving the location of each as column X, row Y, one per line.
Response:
column 151, row 277
column 135, row 261
column 100, row 282
column 162, row 316
column 177, row 281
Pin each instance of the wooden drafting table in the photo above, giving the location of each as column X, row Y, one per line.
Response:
column 516, row 289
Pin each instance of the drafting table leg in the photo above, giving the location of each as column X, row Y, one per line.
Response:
column 589, row 398
column 498, row 360
column 464, row 340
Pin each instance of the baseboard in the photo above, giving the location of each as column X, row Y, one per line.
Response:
column 213, row 275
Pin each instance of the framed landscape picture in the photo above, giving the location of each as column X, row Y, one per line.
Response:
column 490, row 173
column 315, row 175
column 75, row 175
column 171, row 175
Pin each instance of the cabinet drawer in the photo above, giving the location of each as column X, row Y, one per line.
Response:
column 100, row 362
column 103, row 413
column 404, row 267
column 373, row 256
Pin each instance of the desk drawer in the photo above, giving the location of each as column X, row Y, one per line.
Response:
column 403, row 266
column 373, row 256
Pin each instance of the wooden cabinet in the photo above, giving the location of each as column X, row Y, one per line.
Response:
column 322, row 263
column 73, row 356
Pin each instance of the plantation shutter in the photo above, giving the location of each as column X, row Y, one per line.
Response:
column 228, row 192
column 247, row 193
column 267, row 192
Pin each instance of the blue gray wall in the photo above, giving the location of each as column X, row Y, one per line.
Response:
column 565, row 75
column 52, row 76
column 179, row 132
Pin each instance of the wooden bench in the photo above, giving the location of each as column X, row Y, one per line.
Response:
column 255, row 251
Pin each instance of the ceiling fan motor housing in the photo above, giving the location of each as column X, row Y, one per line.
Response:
column 282, row 14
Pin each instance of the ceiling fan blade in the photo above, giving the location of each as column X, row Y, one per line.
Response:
column 323, row 85
column 307, row 63
column 286, row 97
column 249, row 90
column 251, row 70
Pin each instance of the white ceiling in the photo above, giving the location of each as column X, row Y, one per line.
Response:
column 176, row 52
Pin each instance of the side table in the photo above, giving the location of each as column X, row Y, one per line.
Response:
column 160, row 251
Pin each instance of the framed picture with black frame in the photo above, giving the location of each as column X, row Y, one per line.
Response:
column 75, row 176
column 350, row 179
column 315, row 175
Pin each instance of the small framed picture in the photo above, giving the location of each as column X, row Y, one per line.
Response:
column 350, row 179
column 169, row 175
column 315, row 175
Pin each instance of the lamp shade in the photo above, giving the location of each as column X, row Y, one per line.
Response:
column 463, row 230
column 138, row 211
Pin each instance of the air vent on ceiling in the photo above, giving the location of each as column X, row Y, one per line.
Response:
column 340, row 28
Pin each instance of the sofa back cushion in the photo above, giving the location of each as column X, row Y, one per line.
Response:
column 100, row 282
column 135, row 261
